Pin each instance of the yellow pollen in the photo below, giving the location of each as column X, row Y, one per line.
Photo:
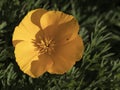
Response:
column 46, row 46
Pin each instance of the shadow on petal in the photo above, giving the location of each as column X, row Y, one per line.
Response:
column 37, row 69
column 40, row 66
column 35, row 18
column 15, row 42
column 37, row 41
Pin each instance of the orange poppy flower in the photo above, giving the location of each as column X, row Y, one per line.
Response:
column 47, row 41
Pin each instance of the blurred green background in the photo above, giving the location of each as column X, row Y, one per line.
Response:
column 99, row 68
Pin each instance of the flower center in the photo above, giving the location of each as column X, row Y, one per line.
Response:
column 46, row 46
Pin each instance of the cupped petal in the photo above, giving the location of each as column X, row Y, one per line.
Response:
column 29, row 26
column 53, row 18
column 25, row 53
column 71, row 51
column 67, row 32
column 31, row 21
column 36, row 16
column 57, row 24
column 41, row 65
column 20, row 35
column 66, row 56
column 61, row 65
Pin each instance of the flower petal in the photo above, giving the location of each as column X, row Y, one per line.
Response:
column 67, row 32
column 52, row 18
column 36, row 16
column 20, row 35
column 57, row 24
column 66, row 56
column 61, row 65
column 73, row 50
column 41, row 65
column 25, row 53
column 29, row 26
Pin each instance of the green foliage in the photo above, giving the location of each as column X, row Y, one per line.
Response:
column 99, row 68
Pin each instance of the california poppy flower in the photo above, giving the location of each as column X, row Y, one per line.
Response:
column 47, row 41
